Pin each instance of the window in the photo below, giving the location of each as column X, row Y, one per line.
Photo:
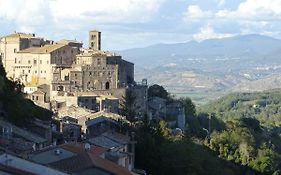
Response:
column 36, row 71
column 40, row 61
column 28, row 71
column 37, row 98
column 107, row 85
column 32, row 97
column 15, row 60
column 90, row 73
column 34, row 61
column 28, row 61
column 15, row 50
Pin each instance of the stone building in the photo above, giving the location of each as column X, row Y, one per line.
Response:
column 69, row 71
column 94, row 70
column 95, row 40
column 35, row 65
column 11, row 44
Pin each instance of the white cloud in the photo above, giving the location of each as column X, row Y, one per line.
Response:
column 254, row 10
column 106, row 11
column 207, row 32
column 57, row 19
column 266, row 10
column 250, row 16
column 194, row 12
column 64, row 13
column 26, row 14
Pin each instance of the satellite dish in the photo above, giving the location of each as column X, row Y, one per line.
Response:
column 87, row 146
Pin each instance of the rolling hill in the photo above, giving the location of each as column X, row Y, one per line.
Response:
column 211, row 68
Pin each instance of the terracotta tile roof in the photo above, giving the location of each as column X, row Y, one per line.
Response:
column 110, row 166
column 46, row 49
column 73, row 164
column 20, row 35
column 110, row 140
column 121, row 138
column 65, row 41
column 87, row 160
column 79, row 148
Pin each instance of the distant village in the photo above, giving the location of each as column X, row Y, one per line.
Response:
column 85, row 88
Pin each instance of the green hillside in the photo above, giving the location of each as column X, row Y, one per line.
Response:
column 245, row 129
column 16, row 108
column 264, row 106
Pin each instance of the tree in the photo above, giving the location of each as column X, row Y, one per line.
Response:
column 189, row 106
column 2, row 71
column 158, row 91
column 128, row 105
column 267, row 161
column 252, row 123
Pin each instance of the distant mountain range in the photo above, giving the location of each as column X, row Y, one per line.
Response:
column 213, row 66
column 238, row 47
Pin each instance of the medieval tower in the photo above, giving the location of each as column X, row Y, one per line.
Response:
column 95, row 40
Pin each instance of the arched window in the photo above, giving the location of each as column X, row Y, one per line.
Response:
column 107, row 85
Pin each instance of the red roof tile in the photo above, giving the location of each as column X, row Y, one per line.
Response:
column 86, row 161
column 79, row 148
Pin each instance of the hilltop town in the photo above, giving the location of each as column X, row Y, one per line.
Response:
column 93, row 99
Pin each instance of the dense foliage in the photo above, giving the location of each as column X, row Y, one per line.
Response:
column 237, row 134
column 158, row 91
column 251, row 134
column 17, row 108
column 128, row 105
column 264, row 106
column 159, row 152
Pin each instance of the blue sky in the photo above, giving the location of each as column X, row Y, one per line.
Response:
column 139, row 23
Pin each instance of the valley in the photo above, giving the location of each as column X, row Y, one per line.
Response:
column 207, row 70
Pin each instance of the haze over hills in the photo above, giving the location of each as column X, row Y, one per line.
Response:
column 208, row 69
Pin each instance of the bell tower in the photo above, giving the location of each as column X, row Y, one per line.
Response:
column 95, row 40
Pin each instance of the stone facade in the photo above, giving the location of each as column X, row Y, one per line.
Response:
column 35, row 65
column 94, row 70
column 11, row 44
column 95, row 40
column 70, row 71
